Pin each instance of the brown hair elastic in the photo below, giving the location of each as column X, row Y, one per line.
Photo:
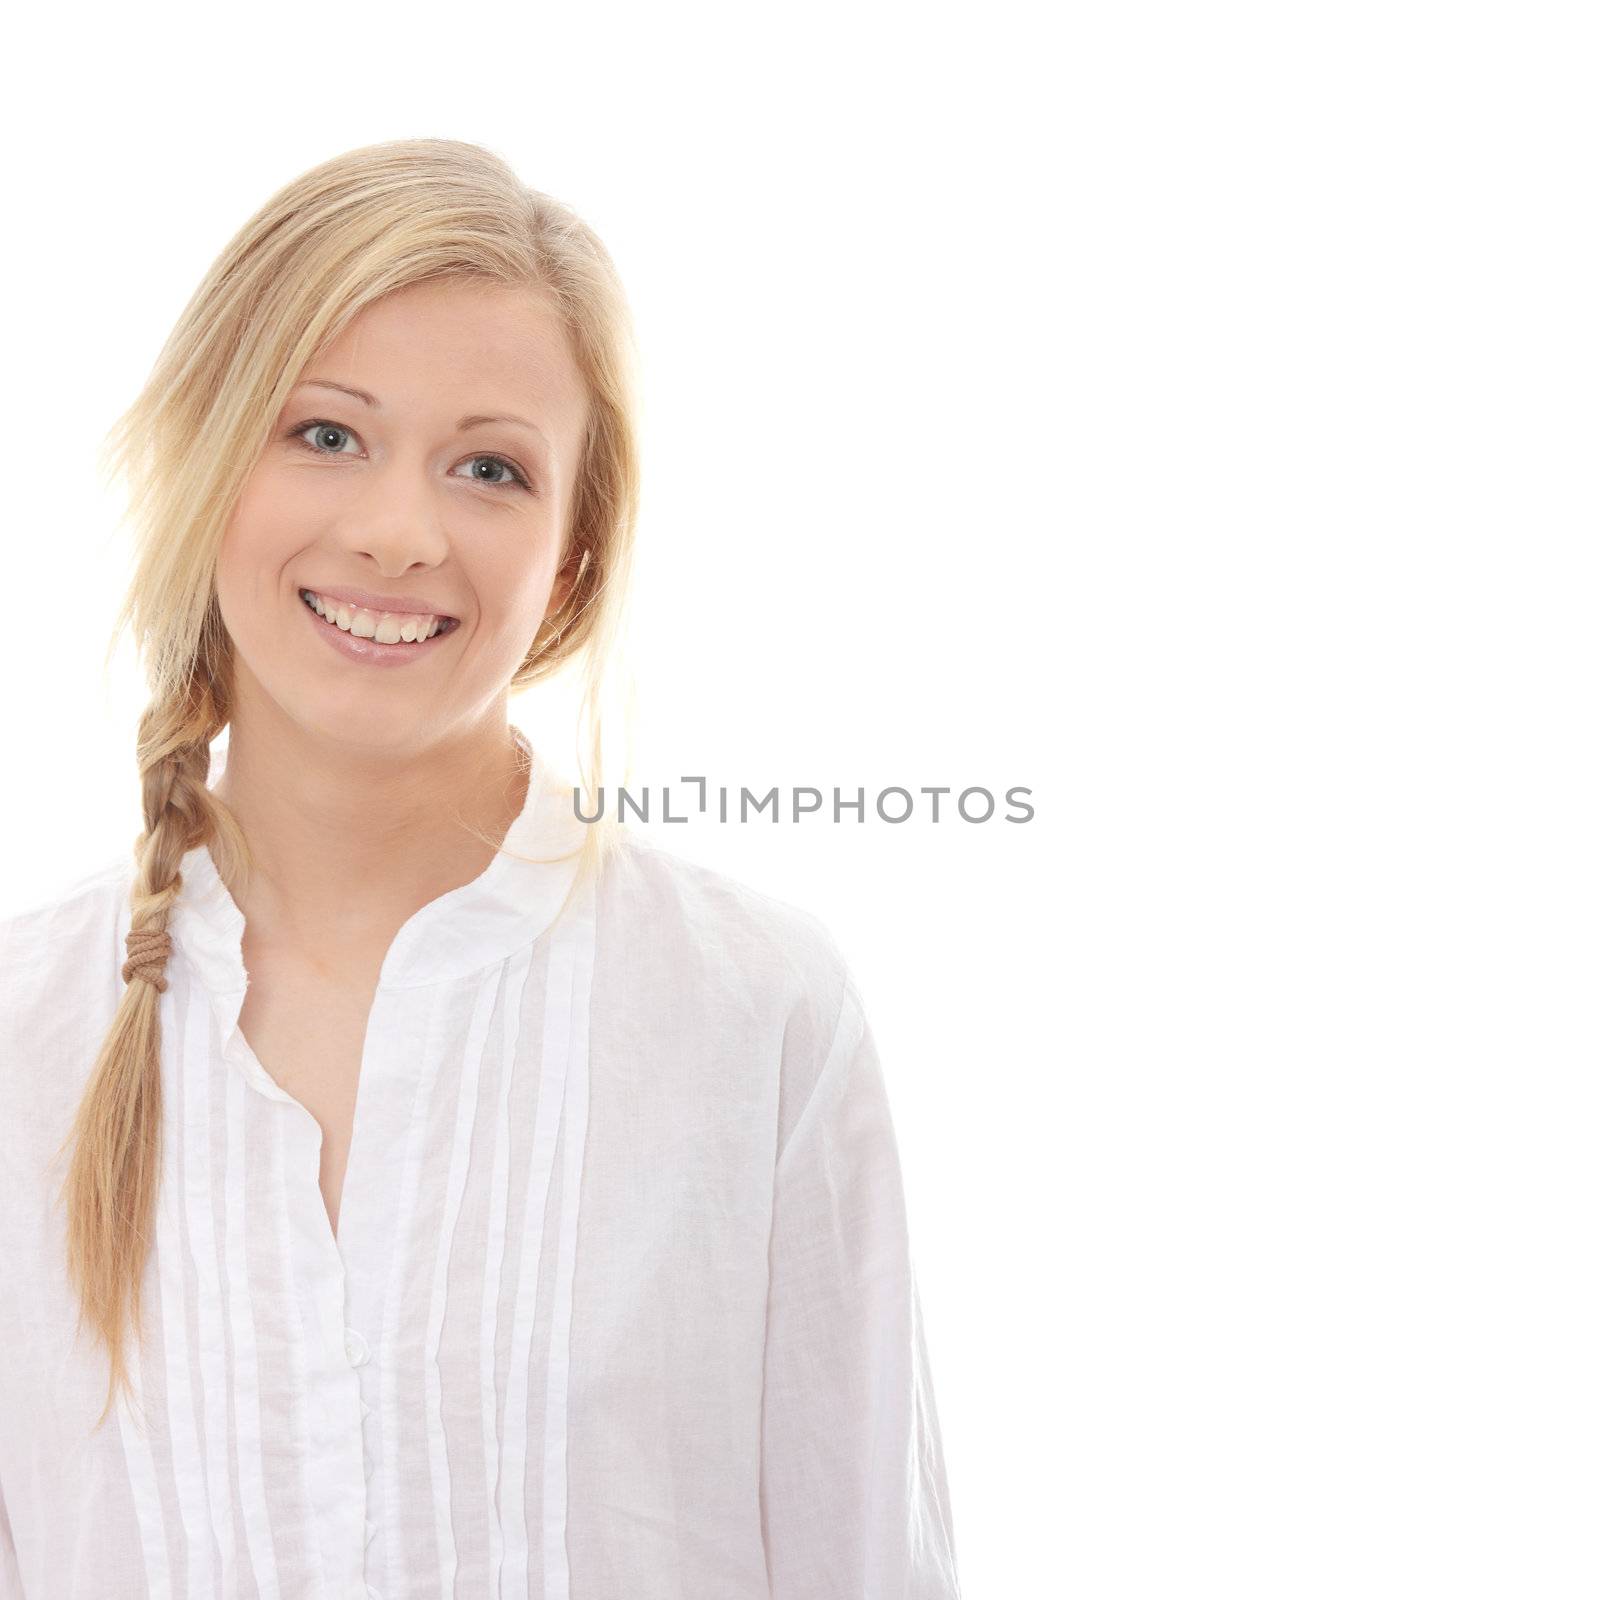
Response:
column 148, row 949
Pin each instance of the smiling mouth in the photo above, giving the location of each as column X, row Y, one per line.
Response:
column 383, row 627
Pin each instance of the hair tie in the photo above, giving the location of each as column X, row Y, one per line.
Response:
column 148, row 949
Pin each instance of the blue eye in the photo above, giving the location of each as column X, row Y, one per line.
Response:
column 321, row 427
column 513, row 478
column 495, row 461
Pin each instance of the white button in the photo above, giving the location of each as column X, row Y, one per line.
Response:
column 372, row 1594
column 366, row 1411
column 355, row 1347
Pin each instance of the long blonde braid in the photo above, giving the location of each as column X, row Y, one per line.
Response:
column 114, row 1176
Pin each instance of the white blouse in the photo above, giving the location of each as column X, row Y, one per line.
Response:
column 621, row 1303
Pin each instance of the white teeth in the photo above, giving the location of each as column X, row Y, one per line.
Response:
column 383, row 627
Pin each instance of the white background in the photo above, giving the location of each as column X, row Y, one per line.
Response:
column 1188, row 414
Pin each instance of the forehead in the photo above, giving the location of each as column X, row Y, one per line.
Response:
column 454, row 347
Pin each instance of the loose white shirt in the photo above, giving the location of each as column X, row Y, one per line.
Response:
column 621, row 1303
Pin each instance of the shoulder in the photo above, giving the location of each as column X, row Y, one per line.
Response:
column 67, row 937
column 82, row 898
column 735, row 968
column 699, row 909
column 60, row 965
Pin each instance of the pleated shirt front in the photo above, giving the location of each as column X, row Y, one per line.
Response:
column 621, row 1302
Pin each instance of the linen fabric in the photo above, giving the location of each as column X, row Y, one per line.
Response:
column 621, row 1303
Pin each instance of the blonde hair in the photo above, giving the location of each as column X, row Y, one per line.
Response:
column 332, row 241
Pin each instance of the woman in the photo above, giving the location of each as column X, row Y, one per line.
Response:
column 413, row 1190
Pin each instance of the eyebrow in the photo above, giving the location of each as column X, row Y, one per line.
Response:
column 471, row 420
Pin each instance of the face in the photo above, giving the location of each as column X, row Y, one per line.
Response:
column 416, row 496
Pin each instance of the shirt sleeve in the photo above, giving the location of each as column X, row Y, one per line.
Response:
column 853, row 1494
column 10, row 1573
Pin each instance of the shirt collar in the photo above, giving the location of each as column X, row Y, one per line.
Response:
column 507, row 906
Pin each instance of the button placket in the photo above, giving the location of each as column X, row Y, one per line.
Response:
column 358, row 1353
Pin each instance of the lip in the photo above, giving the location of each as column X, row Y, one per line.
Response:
column 402, row 604
column 369, row 650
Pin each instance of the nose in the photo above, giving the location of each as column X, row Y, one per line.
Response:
column 395, row 519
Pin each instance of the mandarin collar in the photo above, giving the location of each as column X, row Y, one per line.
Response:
column 505, row 908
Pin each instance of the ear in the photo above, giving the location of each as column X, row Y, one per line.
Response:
column 561, row 589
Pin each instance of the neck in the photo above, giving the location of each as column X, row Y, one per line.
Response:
column 345, row 846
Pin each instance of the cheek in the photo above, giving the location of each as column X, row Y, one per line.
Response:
column 248, row 529
column 513, row 576
column 257, row 544
column 232, row 569
column 513, row 593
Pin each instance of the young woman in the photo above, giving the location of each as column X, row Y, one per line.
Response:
column 412, row 1190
